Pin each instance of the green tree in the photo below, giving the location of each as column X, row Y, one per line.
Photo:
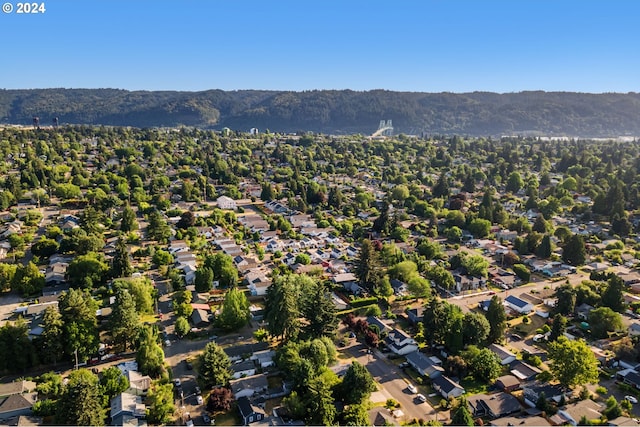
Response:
column 566, row 299
column 44, row 247
column 87, row 271
column 480, row 228
column 514, row 182
column 545, row 249
column 235, row 310
column 149, row 354
column 303, row 259
column 113, row 382
column 355, row 415
column 612, row 296
column 574, row 252
column 7, row 273
column 476, row 328
column 17, row 353
column 204, row 279
column 81, row 401
column 321, row 410
column 558, row 327
column 483, row 363
column 160, row 407
column 158, row 229
column 357, row 384
column 214, row 366
column 121, row 264
column 124, row 321
column 603, row 320
column 461, row 415
column 367, row 268
column 224, row 271
column 282, row 309
column 497, row 319
column 28, row 280
column 162, row 257
column 182, row 326
column 319, row 310
column 141, row 290
column 572, row 362
column 51, row 339
column 128, row 222
column 78, row 310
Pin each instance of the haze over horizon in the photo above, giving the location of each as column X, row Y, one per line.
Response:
column 430, row 46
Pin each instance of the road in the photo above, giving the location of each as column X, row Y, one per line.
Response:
column 393, row 381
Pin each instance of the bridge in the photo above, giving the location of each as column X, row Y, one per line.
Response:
column 385, row 128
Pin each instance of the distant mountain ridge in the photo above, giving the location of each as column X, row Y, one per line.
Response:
column 332, row 111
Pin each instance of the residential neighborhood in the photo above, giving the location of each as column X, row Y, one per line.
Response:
column 191, row 277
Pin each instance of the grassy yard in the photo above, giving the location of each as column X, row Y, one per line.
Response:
column 473, row 386
column 526, row 329
column 229, row 418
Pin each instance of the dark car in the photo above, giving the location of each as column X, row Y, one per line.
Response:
column 206, row 419
column 516, row 337
column 189, row 365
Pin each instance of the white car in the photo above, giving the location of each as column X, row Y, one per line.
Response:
column 412, row 389
column 631, row 399
column 199, row 399
column 421, row 398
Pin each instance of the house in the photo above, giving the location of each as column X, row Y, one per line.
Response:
column 447, row 387
column 533, row 421
column 238, row 352
column 503, row 354
column 424, row 365
column 248, row 412
column 126, row 405
column 531, row 393
column 264, row 358
column 518, row 305
column 523, row 371
column 138, row 383
column 623, row 421
column 399, row 287
column 200, row 318
column 508, row 383
column 378, row 323
column 17, row 404
column 493, row 405
column 244, row 368
column 225, row 202
column 629, row 377
column 574, row 412
column 400, row 342
column 249, row 386
column 583, row 311
column 415, row 315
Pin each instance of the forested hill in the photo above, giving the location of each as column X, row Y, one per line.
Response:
column 477, row 113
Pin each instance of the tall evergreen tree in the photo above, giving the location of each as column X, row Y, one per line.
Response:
column 81, row 401
column 320, row 311
column 51, row 340
column 214, row 366
column 282, row 309
column 78, row 310
column 574, row 252
column 149, row 354
column 613, row 296
column 368, row 266
column 124, row 320
column 235, row 310
column 461, row 415
column 128, row 222
column 497, row 319
column 121, row 264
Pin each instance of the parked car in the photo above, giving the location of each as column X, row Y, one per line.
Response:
column 198, row 391
column 403, row 365
column 421, row 398
column 199, row 399
column 631, row 399
column 206, row 420
column 177, row 382
column 412, row 389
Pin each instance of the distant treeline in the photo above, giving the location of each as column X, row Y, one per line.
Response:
column 326, row 111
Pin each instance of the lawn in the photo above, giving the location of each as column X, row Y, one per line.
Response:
column 229, row 418
column 473, row 386
column 526, row 329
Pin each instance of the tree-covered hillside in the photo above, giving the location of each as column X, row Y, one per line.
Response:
column 477, row 113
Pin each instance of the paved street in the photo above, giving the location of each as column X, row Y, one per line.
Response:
column 393, row 380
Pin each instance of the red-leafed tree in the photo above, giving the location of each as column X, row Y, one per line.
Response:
column 220, row 399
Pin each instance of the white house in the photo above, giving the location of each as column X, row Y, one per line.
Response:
column 225, row 202
column 503, row 354
column 400, row 342
column 519, row 305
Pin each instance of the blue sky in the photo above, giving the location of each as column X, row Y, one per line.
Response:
column 421, row 45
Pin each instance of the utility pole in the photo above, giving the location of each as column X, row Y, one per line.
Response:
column 76, row 354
